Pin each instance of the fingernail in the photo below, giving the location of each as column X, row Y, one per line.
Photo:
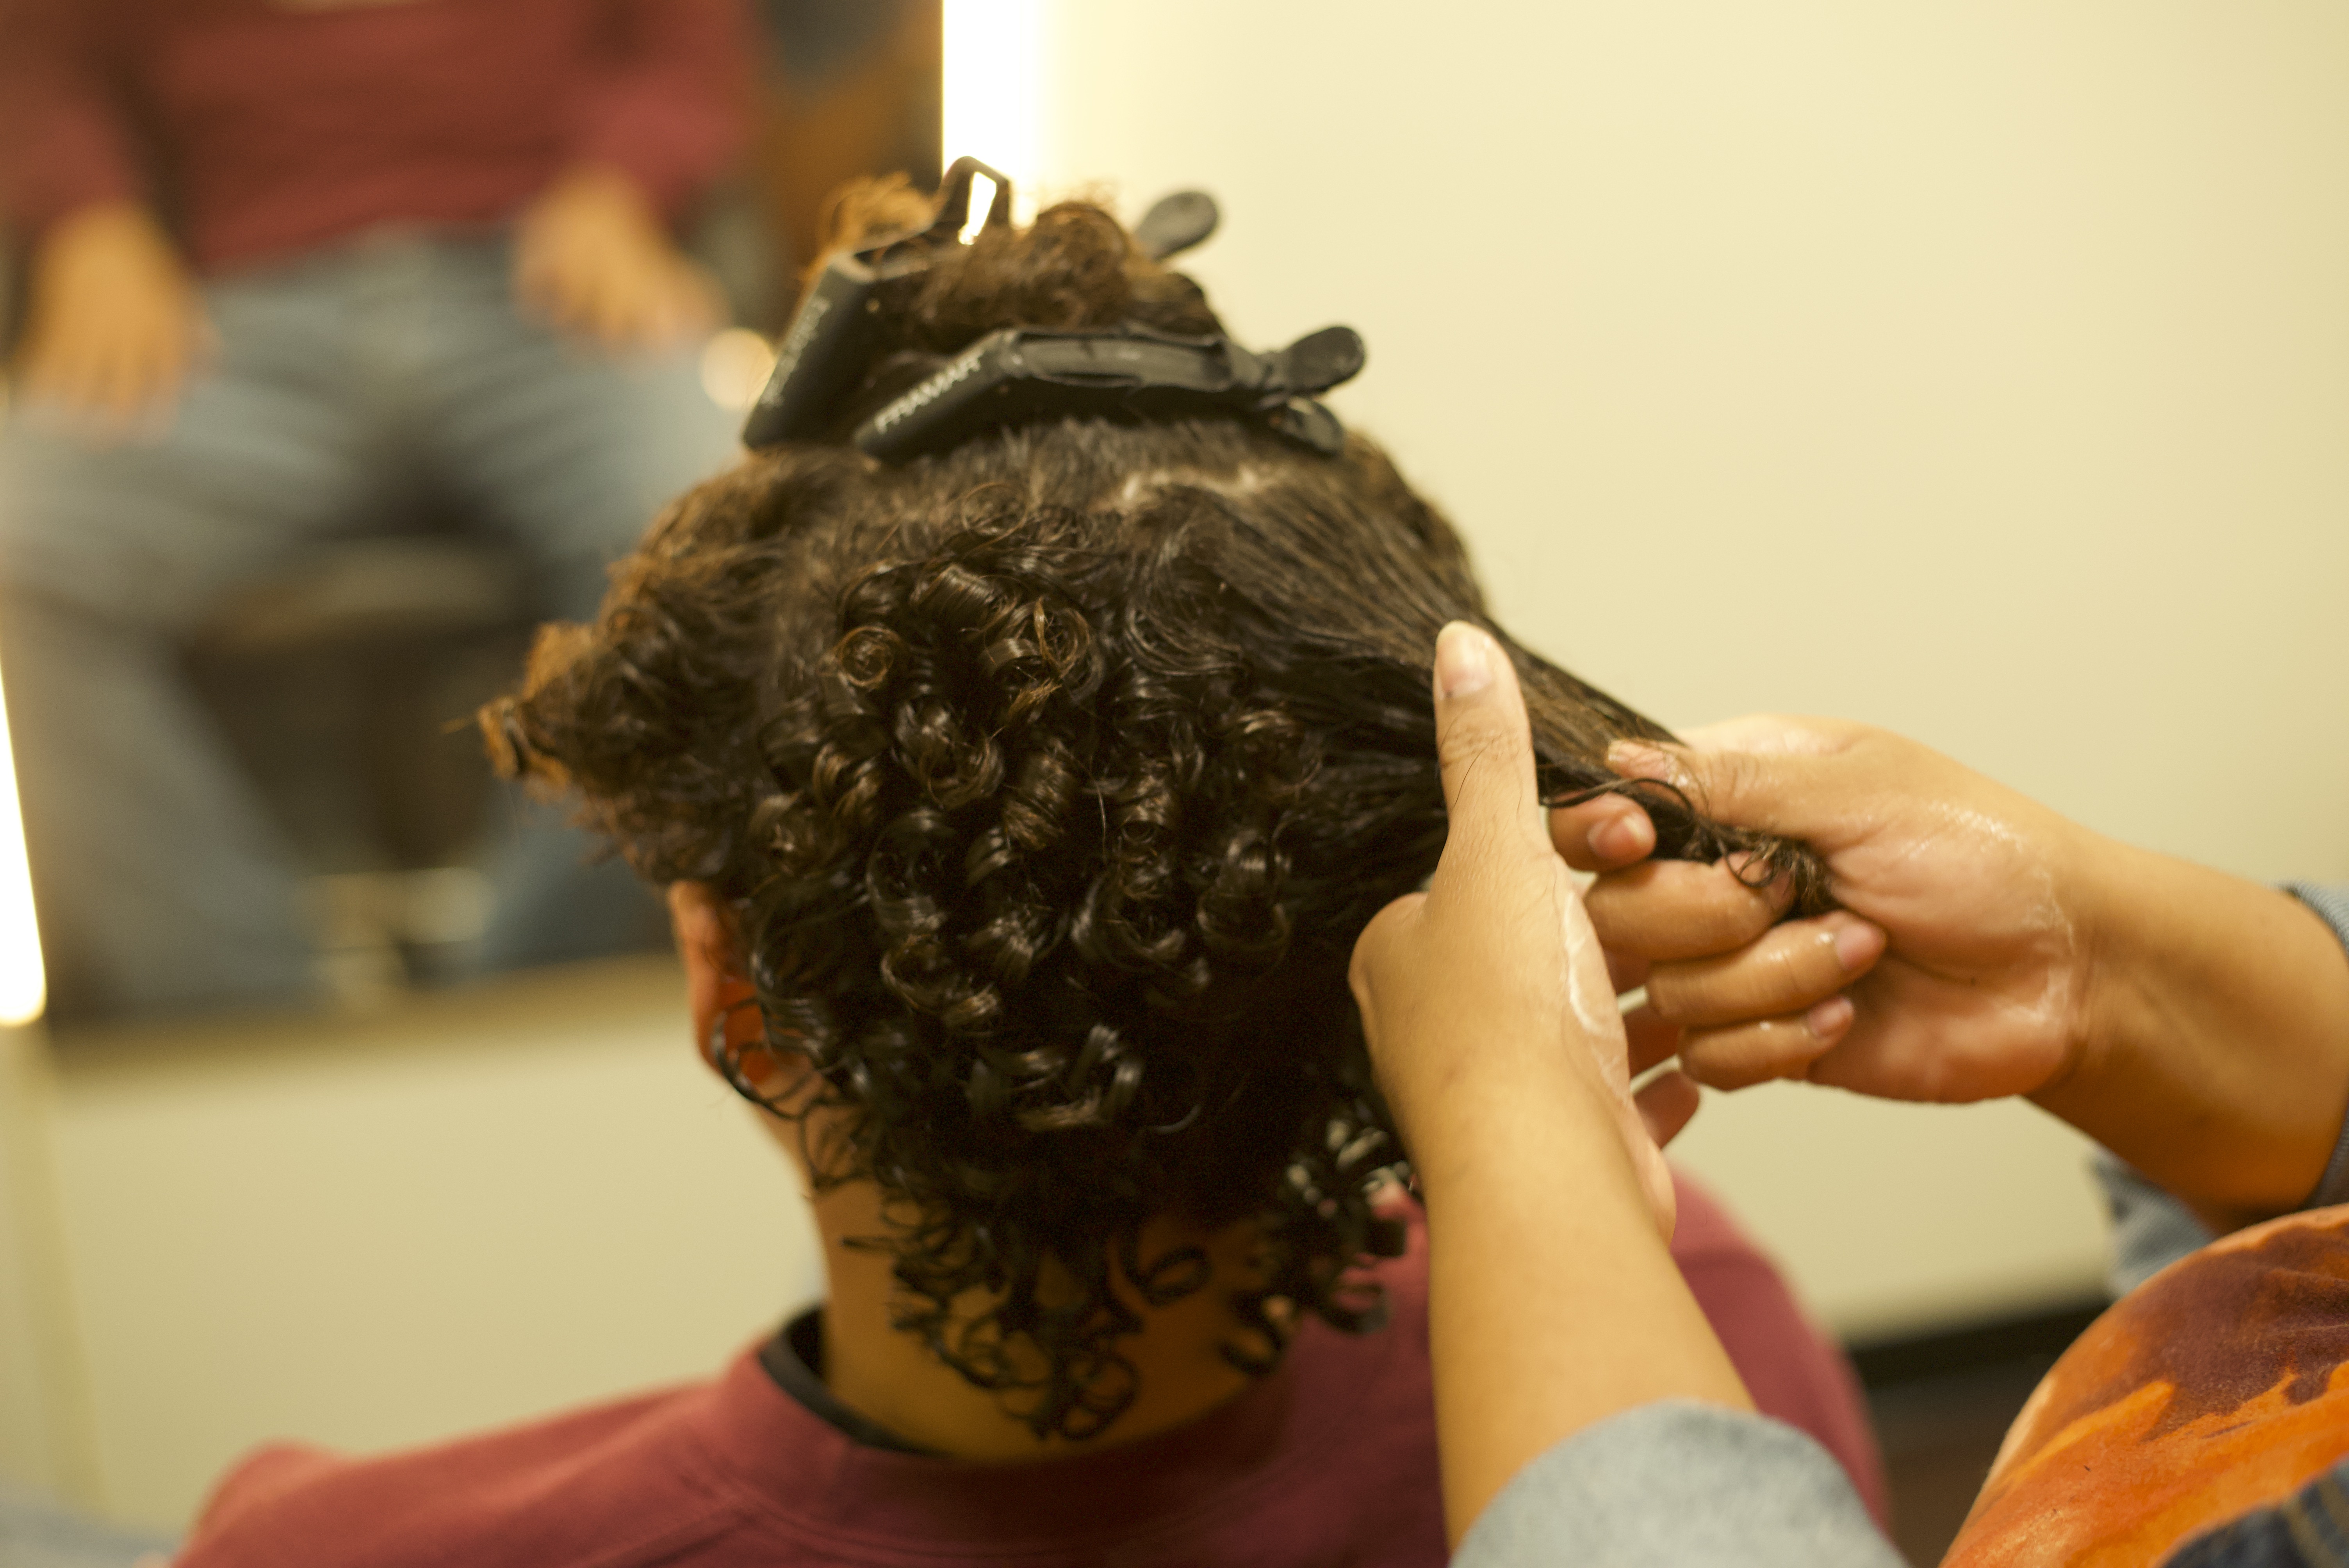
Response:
column 1464, row 663
column 1829, row 1019
column 1859, row 944
column 1634, row 760
column 1616, row 839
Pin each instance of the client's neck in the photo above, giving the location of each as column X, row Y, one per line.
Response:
column 891, row 1377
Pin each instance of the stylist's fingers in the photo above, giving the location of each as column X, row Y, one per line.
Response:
column 1628, row 971
column 1484, row 746
column 1603, row 835
column 1787, row 970
column 1651, row 1039
column 1496, row 853
column 1762, row 773
column 1665, row 1104
column 1529, row 952
column 1742, row 1055
column 1612, row 832
column 1663, row 910
column 1487, row 925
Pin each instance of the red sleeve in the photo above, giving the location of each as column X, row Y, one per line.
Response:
column 672, row 106
column 64, row 141
column 259, row 1478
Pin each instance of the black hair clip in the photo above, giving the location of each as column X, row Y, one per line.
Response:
column 1020, row 374
column 1175, row 222
column 829, row 339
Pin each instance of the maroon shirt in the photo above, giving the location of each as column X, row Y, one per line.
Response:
column 272, row 126
column 1331, row 1459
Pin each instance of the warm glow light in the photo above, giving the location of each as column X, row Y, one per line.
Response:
column 991, row 83
column 982, row 199
column 734, row 364
column 23, row 985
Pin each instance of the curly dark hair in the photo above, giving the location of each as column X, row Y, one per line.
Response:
column 1049, row 780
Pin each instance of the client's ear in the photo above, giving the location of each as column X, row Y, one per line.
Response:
column 714, row 987
column 718, row 997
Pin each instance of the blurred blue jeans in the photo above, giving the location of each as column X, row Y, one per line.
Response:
column 343, row 380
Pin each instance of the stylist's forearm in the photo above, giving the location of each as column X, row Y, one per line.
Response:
column 2218, row 1060
column 1533, row 1341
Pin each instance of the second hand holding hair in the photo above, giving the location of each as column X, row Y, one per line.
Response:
column 2195, row 1023
column 1493, row 1028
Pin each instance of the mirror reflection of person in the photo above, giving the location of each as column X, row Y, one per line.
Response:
column 2195, row 1023
column 292, row 265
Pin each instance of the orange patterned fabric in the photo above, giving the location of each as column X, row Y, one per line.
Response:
column 2219, row 1385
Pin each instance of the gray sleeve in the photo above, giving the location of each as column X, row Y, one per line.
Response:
column 1679, row 1484
column 2152, row 1230
column 1686, row 1485
column 2332, row 904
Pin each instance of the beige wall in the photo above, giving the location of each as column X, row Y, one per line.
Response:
column 374, row 1232
column 1977, row 369
column 45, row 1441
column 1980, row 370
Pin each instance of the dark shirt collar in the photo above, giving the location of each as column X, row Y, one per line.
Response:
column 794, row 1359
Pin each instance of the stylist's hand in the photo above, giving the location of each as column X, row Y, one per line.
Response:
column 2194, row 1023
column 1956, row 969
column 1553, row 1299
column 1496, row 958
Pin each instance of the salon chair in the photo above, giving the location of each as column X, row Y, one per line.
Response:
column 345, row 684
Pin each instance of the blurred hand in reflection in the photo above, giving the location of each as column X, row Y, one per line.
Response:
column 115, row 322
column 592, row 258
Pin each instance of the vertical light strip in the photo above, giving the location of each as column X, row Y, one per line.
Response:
column 24, row 984
column 991, row 88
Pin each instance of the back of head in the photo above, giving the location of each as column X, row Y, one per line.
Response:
column 1049, row 778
